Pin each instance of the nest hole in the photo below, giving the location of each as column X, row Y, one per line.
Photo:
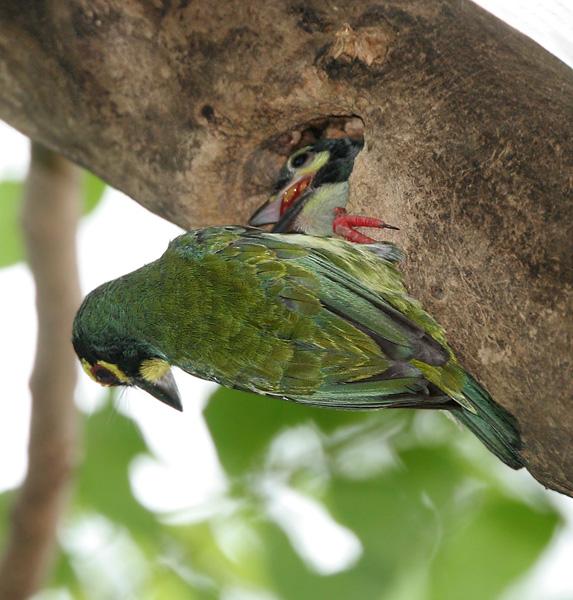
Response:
column 310, row 132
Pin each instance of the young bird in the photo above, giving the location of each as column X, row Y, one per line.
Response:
column 311, row 194
column 318, row 321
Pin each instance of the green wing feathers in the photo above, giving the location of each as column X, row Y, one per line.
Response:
column 339, row 330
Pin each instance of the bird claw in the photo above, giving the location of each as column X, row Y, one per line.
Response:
column 344, row 224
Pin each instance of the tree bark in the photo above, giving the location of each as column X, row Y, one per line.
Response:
column 50, row 215
column 189, row 107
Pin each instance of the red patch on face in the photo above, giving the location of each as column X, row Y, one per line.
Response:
column 103, row 375
column 292, row 193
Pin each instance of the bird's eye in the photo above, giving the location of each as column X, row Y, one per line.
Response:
column 300, row 159
column 104, row 376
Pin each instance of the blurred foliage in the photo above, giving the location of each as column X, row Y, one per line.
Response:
column 431, row 519
column 94, row 188
column 420, row 507
column 11, row 194
column 11, row 250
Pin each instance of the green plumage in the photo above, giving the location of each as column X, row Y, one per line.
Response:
column 315, row 320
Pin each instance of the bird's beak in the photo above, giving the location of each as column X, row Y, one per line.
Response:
column 164, row 389
column 268, row 213
column 273, row 210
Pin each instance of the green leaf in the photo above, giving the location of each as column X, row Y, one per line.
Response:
column 489, row 549
column 64, row 575
column 199, row 555
column 293, row 579
column 11, row 194
column 94, row 189
column 112, row 441
column 11, row 247
column 398, row 514
column 6, row 501
column 242, row 425
column 429, row 512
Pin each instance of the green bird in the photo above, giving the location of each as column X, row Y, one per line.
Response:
column 312, row 191
column 318, row 321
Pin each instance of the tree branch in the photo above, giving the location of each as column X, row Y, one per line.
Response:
column 50, row 215
column 468, row 149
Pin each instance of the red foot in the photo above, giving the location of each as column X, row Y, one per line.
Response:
column 344, row 224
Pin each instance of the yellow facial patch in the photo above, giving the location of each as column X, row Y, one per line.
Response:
column 98, row 370
column 88, row 369
column 153, row 369
column 121, row 376
column 319, row 161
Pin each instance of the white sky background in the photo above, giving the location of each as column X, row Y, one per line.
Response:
column 121, row 236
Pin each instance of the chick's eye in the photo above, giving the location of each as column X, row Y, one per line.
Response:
column 300, row 159
column 104, row 376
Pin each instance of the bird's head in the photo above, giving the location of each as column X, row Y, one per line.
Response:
column 324, row 162
column 113, row 356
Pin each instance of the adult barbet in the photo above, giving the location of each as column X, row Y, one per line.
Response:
column 319, row 321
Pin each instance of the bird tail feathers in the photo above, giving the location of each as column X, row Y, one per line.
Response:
column 492, row 424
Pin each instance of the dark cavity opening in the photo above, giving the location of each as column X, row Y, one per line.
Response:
column 323, row 128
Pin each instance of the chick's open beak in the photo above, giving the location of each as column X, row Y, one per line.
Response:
column 272, row 211
column 268, row 213
column 164, row 389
